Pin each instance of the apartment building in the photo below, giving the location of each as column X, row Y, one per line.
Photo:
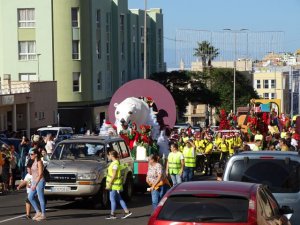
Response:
column 86, row 46
column 273, row 83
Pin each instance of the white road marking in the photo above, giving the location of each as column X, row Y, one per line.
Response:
column 13, row 218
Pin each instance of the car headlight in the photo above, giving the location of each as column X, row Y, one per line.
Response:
column 86, row 176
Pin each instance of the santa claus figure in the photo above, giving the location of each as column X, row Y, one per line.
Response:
column 108, row 129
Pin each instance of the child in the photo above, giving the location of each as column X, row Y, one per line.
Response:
column 27, row 182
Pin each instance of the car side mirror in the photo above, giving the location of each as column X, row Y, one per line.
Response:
column 287, row 211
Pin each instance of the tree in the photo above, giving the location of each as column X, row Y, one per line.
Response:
column 185, row 87
column 222, row 85
column 207, row 53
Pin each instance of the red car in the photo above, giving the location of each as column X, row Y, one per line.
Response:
column 219, row 203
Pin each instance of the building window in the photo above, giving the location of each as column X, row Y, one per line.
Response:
column 98, row 18
column 26, row 18
column 257, row 84
column 27, row 50
column 266, row 84
column 266, row 96
column 273, row 83
column 142, row 31
column 75, row 49
column 75, row 17
column 99, row 81
column 123, row 50
column 122, row 22
column 273, row 95
column 76, row 82
column 160, row 48
column 123, row 78
column 28, row 77
column 98, row 49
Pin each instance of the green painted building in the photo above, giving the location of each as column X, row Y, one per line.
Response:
column 90, row 47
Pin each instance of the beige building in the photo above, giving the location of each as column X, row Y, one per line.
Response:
column 26, row 106
column 273, row 83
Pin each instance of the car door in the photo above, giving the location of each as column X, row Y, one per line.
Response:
column 265, row 211
column 278, row 217
column 126, row 157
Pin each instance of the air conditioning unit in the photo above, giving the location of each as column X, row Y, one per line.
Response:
column 142, row 39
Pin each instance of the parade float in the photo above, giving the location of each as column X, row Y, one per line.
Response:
column 141, row 110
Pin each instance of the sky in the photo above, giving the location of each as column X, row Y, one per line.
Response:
column 216, row 15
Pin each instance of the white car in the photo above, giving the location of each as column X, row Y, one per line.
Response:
column 58, row 133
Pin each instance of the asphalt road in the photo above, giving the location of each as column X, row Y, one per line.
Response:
column 12, row 211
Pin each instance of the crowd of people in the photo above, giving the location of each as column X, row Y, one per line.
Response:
column 188, row 150
column 13, row 162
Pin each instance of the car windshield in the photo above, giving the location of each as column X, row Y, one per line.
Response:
column 215, row 208
column 79, row 151
column 281, row 176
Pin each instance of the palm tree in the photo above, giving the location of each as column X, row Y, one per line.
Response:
column 206, row 52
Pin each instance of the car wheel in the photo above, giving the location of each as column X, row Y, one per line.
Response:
column 104, row 196
column 128, row 189
column 101, row 199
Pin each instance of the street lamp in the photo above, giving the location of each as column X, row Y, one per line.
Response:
column 145, row 41
column 38, row 66
column 234, row 63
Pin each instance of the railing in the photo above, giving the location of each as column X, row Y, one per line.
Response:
column 14, row 87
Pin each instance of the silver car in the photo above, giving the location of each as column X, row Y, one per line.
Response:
column 280, row 171
column 78, row 168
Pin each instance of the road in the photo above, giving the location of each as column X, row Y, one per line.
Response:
column 73, row 213
column 12, row 211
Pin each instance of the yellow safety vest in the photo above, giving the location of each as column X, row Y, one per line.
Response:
column 200, row 145
column 185, row 139
column 238, row 142
column 117, row 184
column 209, row 148
column 230, row 146
column 174, row 161
column 224, row 147
column 189, row 157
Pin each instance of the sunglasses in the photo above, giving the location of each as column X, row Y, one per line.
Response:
column 32, row 154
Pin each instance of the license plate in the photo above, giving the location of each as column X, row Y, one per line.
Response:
column 60, row 189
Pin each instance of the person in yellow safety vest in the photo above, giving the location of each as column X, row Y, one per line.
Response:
column 114, row 185
column 224, row 148
column 199, row 144
column 189, row 153
column 208, row 151
column 181, row 144
column 230, row 144
column 218, row 139
column 184, row 136
column 237, row 142
column 175, row 164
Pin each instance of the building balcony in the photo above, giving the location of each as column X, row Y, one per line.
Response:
column 14, row 87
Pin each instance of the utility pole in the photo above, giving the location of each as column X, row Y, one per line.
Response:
column 234, row 64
